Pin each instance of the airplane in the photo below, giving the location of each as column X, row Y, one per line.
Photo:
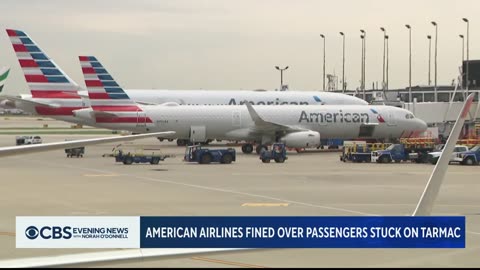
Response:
column 56, row 95
column 423, row 208
column 298, row 126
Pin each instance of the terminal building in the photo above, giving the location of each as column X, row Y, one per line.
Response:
column 440, row 114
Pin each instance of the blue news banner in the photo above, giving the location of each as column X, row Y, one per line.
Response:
column 302, row 232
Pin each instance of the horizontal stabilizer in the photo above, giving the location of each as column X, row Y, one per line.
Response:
column 35, row 103
column 104, row 114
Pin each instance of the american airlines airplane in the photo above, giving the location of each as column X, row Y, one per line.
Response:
column 56, row 95
column 298, row 126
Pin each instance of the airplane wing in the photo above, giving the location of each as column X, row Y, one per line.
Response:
column 425, row 205
column 262, row 126
column 129, row 255
column 34, row 148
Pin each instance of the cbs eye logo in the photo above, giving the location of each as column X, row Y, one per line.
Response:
column 32, row 232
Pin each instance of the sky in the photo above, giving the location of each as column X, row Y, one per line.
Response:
column 235, row 45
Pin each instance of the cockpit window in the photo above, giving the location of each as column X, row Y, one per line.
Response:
column 409, row 116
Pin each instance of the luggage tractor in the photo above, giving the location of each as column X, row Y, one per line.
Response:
column 199, row 154
column 277, row 153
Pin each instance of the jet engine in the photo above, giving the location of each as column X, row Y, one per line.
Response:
column 86, row 113
column 301, row 139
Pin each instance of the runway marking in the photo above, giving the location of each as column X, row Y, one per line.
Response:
column 227, row 262
column 98, row 175
column 7, row 234
column 264, row 204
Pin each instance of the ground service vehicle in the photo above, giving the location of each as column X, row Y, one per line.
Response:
column 21, row 140
column 136, row 157
column 277, row 153
column 360, row 151
column 199, row 154
column 471, row 157
column 75, row 152
column 402, row 152
column 435, row 155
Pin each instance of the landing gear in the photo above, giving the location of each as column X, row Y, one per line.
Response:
column 247, row 148
column 260, row 148
column 181, row 142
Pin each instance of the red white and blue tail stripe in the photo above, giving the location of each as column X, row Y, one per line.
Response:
column 44, row 78
column 107, row 96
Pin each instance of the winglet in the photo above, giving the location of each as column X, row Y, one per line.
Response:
column 425, row 205
column 253, row 114
column 3, row 76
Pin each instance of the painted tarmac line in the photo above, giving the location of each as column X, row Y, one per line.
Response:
column 265, row 204
column 227, row 262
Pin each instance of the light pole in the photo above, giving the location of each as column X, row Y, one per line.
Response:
column 468, row 63
column 383, row 72
column 343, row 66
column 386, row 84
column 364, row 52
column 409, row 62
column 281, row 75
column 323, row 37
column 463, row 54
column 436, row 39
column 429, row 58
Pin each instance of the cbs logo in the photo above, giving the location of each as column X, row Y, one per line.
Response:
column 47, row 232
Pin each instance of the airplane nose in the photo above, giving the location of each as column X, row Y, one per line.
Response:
column 422, row 125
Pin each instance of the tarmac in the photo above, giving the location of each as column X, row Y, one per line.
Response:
column 307, row 184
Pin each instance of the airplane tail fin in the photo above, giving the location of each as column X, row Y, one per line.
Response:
column 425, row 205
column 44, row 78
column 3, row 77
column 107, row 96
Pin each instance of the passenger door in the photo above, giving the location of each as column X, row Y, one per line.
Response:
column 391, row 120
column 236, row 119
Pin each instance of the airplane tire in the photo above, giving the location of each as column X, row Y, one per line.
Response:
column 247, row 148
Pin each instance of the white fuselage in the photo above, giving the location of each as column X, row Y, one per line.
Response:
column 235, row 122
column 193, row 97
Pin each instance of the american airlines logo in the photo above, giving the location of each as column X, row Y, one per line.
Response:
column 274, row 102
column 335, row 117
